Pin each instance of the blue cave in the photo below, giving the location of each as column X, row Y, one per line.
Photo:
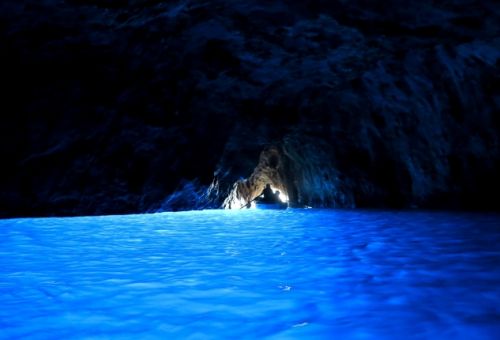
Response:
column 249, row 169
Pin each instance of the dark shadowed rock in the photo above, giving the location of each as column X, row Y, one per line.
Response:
column 141, row 105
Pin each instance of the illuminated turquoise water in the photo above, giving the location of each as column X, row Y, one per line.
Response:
column 318, row 274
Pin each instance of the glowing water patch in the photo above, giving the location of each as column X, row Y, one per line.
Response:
column 231, row 274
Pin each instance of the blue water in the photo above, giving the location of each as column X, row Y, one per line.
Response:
column 290, row 274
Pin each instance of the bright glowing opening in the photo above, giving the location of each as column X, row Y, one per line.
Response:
column 283, row 198
column 235, row 202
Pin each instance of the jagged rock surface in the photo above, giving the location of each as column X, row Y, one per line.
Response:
column 133, row 106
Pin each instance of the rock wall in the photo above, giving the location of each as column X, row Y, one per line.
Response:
column 144, row 105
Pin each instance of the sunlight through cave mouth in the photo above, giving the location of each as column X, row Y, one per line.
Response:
column 271, row 169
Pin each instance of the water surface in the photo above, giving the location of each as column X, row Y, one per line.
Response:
column 243, row 274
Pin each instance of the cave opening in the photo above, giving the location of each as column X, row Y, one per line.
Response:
column 282, row 196
column 271, row 169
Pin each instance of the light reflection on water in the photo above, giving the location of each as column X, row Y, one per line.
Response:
column 245, row 274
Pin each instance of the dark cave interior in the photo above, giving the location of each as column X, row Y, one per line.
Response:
column 140, row 106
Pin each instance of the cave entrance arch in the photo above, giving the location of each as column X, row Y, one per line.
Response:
column 273, row 168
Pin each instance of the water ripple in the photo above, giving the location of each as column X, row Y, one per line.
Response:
column 246, row 274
